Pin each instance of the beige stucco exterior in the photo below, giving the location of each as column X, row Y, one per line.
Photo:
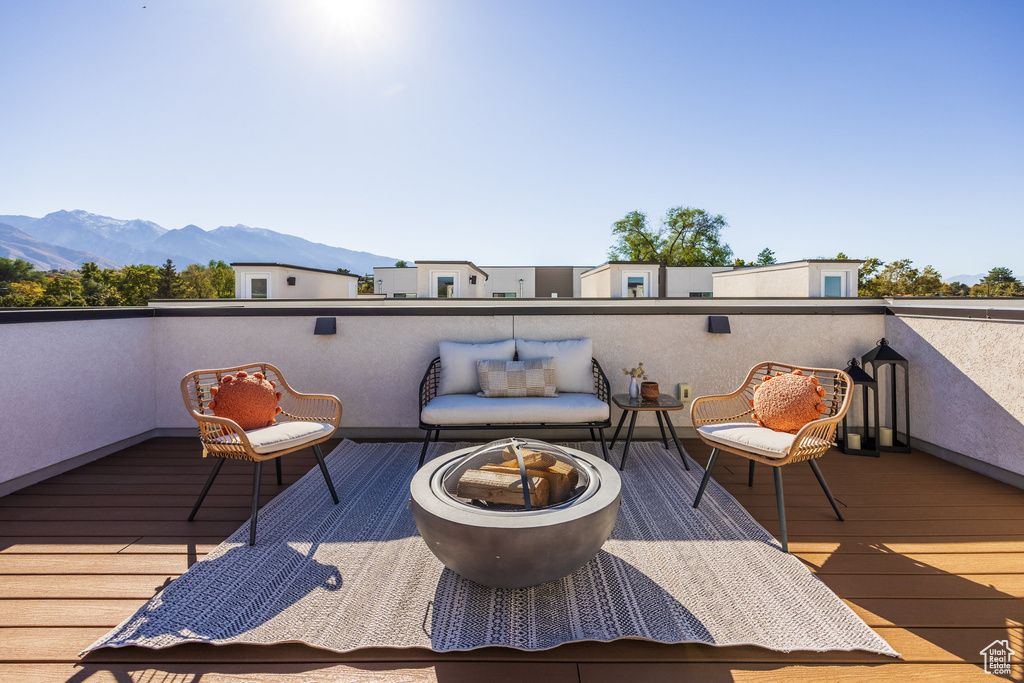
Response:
column 608, row 280
column 427, row 273
column 797, row 279
column 391, row 281
column 686, row 281
column 309, row 283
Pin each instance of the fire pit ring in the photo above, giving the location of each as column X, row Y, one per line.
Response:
column 506, row 548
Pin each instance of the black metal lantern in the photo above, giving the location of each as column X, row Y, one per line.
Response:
column 868, row 439
column 884, row 361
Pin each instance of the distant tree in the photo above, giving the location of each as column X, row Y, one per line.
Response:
column 344, row 271
column 196, row 282
column 766, row 257
column 63, row 290
column 740, row 263
column 136, row 285
column 17, row 270
column 686, row 237
column 928, row 282
column 167, row 286
column 841, row 256
column 222, row 279
column 401, row 264
column 867, row 277
column 21, row 294
column 955, row 289
column 999, row 282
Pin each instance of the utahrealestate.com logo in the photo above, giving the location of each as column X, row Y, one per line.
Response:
column 997, row 658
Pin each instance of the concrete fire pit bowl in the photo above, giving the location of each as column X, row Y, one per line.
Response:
column 519, row 548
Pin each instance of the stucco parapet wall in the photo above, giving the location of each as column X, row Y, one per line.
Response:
column 788, row 265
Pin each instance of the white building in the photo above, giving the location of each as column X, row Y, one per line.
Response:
column 801, row 279
column 283, row 281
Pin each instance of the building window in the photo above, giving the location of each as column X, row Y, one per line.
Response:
column 504, row 295
column 833, row 284
column 635, row 285
column 257, row 286
column 444, row 284
column 700, row 295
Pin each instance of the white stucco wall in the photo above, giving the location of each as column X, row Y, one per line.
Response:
column 790, row 280
column 680, row 281
column 427, row 272
column 506, row 279
column 73, row 387
column 390, row 280
column 595, row 284
column 966, row 378
column 308, row 284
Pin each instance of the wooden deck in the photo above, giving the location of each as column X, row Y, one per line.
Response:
column 931, row 556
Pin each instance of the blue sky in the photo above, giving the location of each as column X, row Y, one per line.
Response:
column 518, row 131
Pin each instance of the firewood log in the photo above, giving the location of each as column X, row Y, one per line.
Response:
column 536, row 460
column 501, row 487
column 559, row 483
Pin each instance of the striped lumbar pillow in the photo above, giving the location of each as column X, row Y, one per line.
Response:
column 516, row 378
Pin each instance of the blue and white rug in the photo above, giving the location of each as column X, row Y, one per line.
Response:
column 357, row 575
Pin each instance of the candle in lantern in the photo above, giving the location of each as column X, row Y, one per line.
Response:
column 853, row 441
column 885, row 436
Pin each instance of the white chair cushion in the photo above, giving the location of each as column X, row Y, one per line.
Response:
column 283, row 436
column 573, row 368
column 751, row 437
column 469, row 409
column 458, row 364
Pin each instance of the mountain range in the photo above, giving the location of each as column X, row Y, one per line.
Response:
column 67, row 239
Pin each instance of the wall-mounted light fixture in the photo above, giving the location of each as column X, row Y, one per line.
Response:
column 472, row 279
column 291, row 281
column 520, row 288
column 718, row 324
column 380, row 286
column 326, row 326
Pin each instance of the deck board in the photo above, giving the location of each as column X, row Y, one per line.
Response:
column 931, row 556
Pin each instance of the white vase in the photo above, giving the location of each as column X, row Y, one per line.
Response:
column 634, row 387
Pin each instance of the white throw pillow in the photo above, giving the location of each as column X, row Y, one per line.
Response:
column 573, row 372
column 458, row 364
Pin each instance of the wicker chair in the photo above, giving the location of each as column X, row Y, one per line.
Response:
column 305, row 420
column 726, row 424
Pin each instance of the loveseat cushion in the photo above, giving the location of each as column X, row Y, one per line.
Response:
column 751, row 437
column 516, row 378
column 283, row 435
column 469, row 409
column 573, row 361
column 458, row 364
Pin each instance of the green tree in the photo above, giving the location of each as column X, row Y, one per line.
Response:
column 928, row 282
column 196, row 282
column 766, row 257
column 344, row 271
column 136, row 285
column 955, row 289
column 999, row 282
column 17, row 270
column 401, row 264
column 63, row 290
column 167, row 286
column 21, row 294
column 222, row 279
column 867, row 277
column 686, row 237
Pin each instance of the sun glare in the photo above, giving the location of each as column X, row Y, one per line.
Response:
column 359, row 20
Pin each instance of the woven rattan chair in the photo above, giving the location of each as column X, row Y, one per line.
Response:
column 726, row 424
column 306, row 420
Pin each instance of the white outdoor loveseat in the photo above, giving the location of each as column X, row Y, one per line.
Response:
column 450, row 400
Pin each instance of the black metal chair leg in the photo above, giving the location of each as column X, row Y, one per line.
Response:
column 323, row 468
column 707, row 476
column 629, row 440
column 604, row 446
column 780, row 500
column 824, row 487
column 257, row 474
column 661, row 426
column 593, row 436
column 437, row 435
column 679, row 444
column 750, row 474
column 423, row 453
column 277, row 462
column 618, row 428
column 206, row 489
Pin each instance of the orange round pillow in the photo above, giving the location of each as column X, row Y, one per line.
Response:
column 249, row 400
column 787, row 401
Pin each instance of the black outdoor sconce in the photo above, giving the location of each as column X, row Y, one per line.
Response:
column 472, row 279
column 326, row 326
column 863, row 441
column 291, row 281
column 718, row 324
column 884, row 360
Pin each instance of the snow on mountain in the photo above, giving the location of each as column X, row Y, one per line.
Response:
column 138, row 241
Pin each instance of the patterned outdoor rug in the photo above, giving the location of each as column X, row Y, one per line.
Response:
column 357, row 574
